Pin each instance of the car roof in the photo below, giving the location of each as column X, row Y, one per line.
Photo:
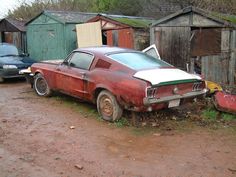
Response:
column 105, row 50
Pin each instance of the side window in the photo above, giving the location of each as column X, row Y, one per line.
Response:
column 81, row 60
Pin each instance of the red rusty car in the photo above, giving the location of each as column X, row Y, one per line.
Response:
column 116, row 79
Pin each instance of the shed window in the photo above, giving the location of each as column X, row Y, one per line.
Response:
column 81, row 60
column 205, row 42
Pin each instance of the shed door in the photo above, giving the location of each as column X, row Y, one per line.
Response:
column 51, row 47
column 45, row 43
column 120, row 38
column 89, row 34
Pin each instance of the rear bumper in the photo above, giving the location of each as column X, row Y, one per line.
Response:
column 149, row 101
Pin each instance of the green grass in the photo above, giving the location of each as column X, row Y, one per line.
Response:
column 227, row 17
column 134, row 22
column 210, row 114
column 228, row 117
column 122, row 122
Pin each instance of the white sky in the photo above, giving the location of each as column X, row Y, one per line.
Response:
column 6, row 5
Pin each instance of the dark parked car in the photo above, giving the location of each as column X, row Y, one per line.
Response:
column 116, row 79
column 12, row 61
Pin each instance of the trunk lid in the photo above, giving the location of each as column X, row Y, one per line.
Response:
column 165, row 76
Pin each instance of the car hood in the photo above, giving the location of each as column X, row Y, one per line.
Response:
column 16, row 60
column 58, row 61
column 164, row 75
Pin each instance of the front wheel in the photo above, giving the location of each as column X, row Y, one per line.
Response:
column 108, row 106
column 41, row 86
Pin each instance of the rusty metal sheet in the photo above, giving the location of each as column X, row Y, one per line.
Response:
column 205, row 42
column 120, row 38
column 8, row 37
column 126, row 38
column 225, row 102
column 109, row 38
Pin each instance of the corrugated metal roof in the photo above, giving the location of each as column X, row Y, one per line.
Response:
column 70, row 17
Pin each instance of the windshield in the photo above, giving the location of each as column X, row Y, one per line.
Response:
column 6, row 50
column 138, row 60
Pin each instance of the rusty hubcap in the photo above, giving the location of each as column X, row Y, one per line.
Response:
column 41, row 86
column 106, row 106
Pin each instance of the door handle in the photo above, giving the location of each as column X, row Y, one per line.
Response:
column 83, row 75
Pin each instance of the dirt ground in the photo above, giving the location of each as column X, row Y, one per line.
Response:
column 37, row 140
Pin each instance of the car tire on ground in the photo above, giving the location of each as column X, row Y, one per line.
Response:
column 41, row 86
column 108, row 106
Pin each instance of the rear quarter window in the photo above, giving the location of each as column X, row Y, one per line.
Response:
column 102, row 64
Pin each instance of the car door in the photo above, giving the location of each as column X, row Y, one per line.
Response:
column 152, row 51
column 72, row 76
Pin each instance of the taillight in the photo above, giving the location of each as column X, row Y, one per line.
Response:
column 151, row 92
column 198, row 86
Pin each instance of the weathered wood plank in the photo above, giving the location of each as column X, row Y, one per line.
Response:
column 173, row 45
column 232, row 62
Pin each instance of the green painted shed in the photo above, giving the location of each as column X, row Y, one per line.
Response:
column 50, row 34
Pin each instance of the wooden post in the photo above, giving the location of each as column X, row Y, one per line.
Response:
column 232, row 61
column 134, row 118
column 191, row 67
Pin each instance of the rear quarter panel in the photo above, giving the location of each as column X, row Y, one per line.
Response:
column 119, row 80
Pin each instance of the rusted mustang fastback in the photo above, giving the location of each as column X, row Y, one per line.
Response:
column 116, row 79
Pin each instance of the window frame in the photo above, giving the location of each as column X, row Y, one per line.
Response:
column 68, row 59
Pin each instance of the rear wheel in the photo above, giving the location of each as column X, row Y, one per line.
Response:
column 108, row 106
column 41, row 86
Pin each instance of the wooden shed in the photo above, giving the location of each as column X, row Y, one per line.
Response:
column 50, row 34
column 198, row 41
column 13, row 31
column 124, row 31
